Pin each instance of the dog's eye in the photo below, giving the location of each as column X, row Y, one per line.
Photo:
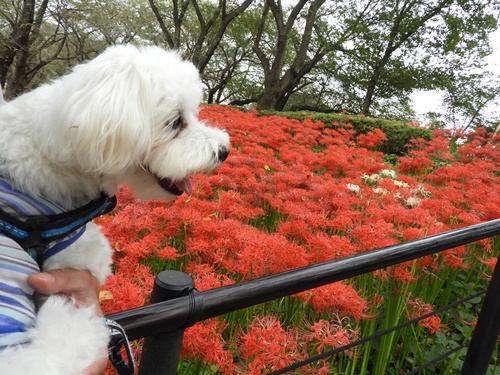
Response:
column 177, row 123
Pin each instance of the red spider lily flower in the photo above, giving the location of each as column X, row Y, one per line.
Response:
column 338, row 298
column 417, row 163
column 418, row 308
column 331, row 334
column 491, row 263
column 267, row 346
column 232, row 204
column 203, row 341
column 372, row 139
column 375, row 235
column 127, row 292
column 403, row 273
column 206, row 278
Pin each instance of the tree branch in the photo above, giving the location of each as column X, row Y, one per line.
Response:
column 258, row 38
column 163, row 27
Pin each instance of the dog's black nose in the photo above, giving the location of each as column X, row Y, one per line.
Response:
column 223, row 153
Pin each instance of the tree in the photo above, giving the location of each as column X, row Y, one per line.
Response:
column 398, row 46
column 229, row 74
column 405, row 20
column 467, row 98
column 303, row 38
column 212, row 22
column 23, row 21
column 278, row 86
column 363, row 56
column 41, row 40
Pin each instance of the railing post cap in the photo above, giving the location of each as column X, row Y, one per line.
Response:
column 171, row 284
column 173, row 279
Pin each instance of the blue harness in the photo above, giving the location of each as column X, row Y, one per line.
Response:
column 35, row 231
column 42, row 229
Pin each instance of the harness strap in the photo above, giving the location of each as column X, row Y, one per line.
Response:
column 36, row 232
column 119, row 341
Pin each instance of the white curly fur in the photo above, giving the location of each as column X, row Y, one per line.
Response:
column 110, row 121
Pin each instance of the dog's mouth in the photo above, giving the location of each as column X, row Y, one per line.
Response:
column 176, row 187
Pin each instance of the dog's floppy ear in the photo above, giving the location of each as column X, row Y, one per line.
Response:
column 104, row 115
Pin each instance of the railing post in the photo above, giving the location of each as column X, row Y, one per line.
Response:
column 487, row 330
column 161, row 353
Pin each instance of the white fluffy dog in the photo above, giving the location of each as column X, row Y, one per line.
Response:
column 128, row 116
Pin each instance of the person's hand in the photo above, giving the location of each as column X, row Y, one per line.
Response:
column 80, row 285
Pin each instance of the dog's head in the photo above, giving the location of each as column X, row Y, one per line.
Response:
column 131, row 113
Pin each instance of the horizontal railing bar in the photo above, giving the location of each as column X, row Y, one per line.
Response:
column 172, row 315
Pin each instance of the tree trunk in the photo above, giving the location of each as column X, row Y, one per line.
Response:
column 278, row 86
column 370, row 92
column 19, row 40
column 396, row 38
column 17, row 82
column 270, row 96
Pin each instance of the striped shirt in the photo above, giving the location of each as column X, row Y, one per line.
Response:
column 17, row 307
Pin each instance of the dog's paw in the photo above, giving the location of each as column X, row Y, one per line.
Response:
column 65, row 341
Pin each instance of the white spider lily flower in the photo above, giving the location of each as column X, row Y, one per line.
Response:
column 354, row 188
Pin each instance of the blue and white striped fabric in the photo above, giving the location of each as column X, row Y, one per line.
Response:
column 17, row 308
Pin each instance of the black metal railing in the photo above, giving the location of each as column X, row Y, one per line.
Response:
column 163, row 323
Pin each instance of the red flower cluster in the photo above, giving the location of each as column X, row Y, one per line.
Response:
column 418, row 308
column 268, row 346
column 203, row 342
column 290, row 194
column 331, row 334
